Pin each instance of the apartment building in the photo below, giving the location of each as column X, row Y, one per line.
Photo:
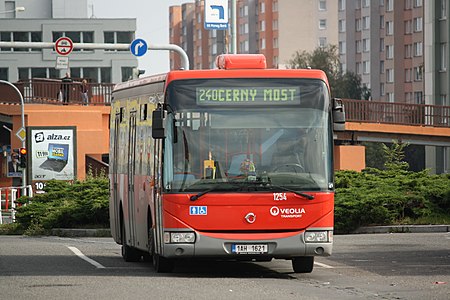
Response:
column 275, row 28
column 48, row 20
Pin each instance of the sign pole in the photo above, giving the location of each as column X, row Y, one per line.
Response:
column 24, row 177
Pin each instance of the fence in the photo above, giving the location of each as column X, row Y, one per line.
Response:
column 8, row 197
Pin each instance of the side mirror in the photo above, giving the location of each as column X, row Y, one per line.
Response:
column 159, row 123
column 338, row 115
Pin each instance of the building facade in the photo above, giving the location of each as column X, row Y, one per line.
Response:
column 48, row 20
column 274, row 28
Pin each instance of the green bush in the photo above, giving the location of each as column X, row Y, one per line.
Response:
column 392, row 196
column 66, row 205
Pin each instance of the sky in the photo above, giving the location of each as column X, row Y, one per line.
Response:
column 152, row 18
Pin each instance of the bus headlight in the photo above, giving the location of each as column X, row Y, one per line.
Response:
column 179, row 237
column 318, row 236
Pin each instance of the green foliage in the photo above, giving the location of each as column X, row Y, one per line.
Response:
column 342, row 85
column 67, row 205
column 384, row 197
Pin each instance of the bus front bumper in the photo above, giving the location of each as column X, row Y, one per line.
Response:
column 284, row 248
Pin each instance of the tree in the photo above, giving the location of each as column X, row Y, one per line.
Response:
column 342, row 85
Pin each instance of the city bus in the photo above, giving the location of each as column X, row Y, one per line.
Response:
column 232, row 163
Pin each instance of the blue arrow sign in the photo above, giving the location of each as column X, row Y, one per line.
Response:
column 138, row 47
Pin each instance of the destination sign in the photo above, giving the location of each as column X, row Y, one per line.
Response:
column 248, row 95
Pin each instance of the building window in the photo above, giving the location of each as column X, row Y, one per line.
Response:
column 381, row 44
column 358, row 25
column 322, row 42
column 418, row 97
column 341, row 5
column 322, row 24
column 389, row 28
column 417, row 3
column 341, row 25
column 408, row 4
column 358, row 68
column 366, row 45
column 366, row 67
column 443, row 9
column 127, row 73
column 408, row 27
column 408, row 75
column 389, row 5
column 390, row 75
column 418, row 49
column 408, row 51
column 275, row 6
column 263, row 43
column 418, row 74
column 382, row 22
column 117, row 37
column 444, row 54
column 366, row 22
column 418, row 24
column 381, row 66
column 4, row 74
column 390, row 97
column 366, row 3
column 342, row 47
column 275, row 43
column 263, row 7
column 263, row 25
column 322, row 5
column 358, row 46
column 389, row 51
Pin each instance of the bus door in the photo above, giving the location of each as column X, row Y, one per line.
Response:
column 131, row 175
column 115, row 180
column 158, row 209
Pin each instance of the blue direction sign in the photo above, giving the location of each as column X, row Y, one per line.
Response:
column 138, row 47
column 216, row 14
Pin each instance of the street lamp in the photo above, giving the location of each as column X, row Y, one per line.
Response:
column 17, row 9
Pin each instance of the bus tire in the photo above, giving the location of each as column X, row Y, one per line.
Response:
column 162, row 264
column 129, row 254
column 303, row 264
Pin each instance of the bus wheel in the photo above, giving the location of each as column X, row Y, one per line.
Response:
column 129, row 254
column 162, row 264
column 303, row 264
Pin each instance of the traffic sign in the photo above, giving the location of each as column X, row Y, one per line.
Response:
column 138, row 47
column 63, row 46
column 216, row 14
column 21, row 134
column 62, row 62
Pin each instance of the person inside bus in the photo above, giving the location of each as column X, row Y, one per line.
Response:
column 287, row 155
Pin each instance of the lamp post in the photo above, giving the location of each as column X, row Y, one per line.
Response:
column 24, row 180
column 17, row 9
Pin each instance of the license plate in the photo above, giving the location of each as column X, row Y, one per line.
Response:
column 249, row 248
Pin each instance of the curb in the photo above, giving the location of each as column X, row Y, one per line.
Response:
column 403, row 229
column 71, row 232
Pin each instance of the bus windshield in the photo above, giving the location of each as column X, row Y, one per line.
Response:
column 236, row 135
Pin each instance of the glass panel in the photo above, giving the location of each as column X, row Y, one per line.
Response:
column 127, row 73
column 75, row 37
column 88, row 37
column 105, row 74
column 5, row 37
column 38, row 73
column 23, row 74
column 4, row 74
column 270, row 132
column 124, row 37
column 36, row 36
column 91, row 74
column 75, row 73
column 20, row 37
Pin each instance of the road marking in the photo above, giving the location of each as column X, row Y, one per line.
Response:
column 82, row 256
column 323, row 265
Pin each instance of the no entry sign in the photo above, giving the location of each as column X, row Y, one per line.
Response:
column 63, row 46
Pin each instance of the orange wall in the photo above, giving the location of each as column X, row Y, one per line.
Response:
column 92, row 123
column 349, row 157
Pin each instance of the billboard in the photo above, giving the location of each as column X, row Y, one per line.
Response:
column 52, row 153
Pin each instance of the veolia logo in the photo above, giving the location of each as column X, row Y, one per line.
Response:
column 274, row 211
column 287, row 212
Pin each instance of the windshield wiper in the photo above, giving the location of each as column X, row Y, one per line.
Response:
column 214, row 188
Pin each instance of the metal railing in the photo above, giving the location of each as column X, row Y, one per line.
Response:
column 47, row 91
column 396, row 113
column 8, row 197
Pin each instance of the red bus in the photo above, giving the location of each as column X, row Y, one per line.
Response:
column 233, row 163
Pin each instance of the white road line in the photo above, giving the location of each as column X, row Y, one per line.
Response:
column 323, row 265
column 82, row 256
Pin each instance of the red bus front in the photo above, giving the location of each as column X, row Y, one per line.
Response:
column 247, row 169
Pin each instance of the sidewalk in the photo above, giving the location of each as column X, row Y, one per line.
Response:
column 105, row 232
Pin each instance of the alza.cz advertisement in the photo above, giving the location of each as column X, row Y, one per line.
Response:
column 52, row 153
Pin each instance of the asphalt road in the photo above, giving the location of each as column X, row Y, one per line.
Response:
column 376, row 266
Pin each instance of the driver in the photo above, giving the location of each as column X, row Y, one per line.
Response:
column 286, row 153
